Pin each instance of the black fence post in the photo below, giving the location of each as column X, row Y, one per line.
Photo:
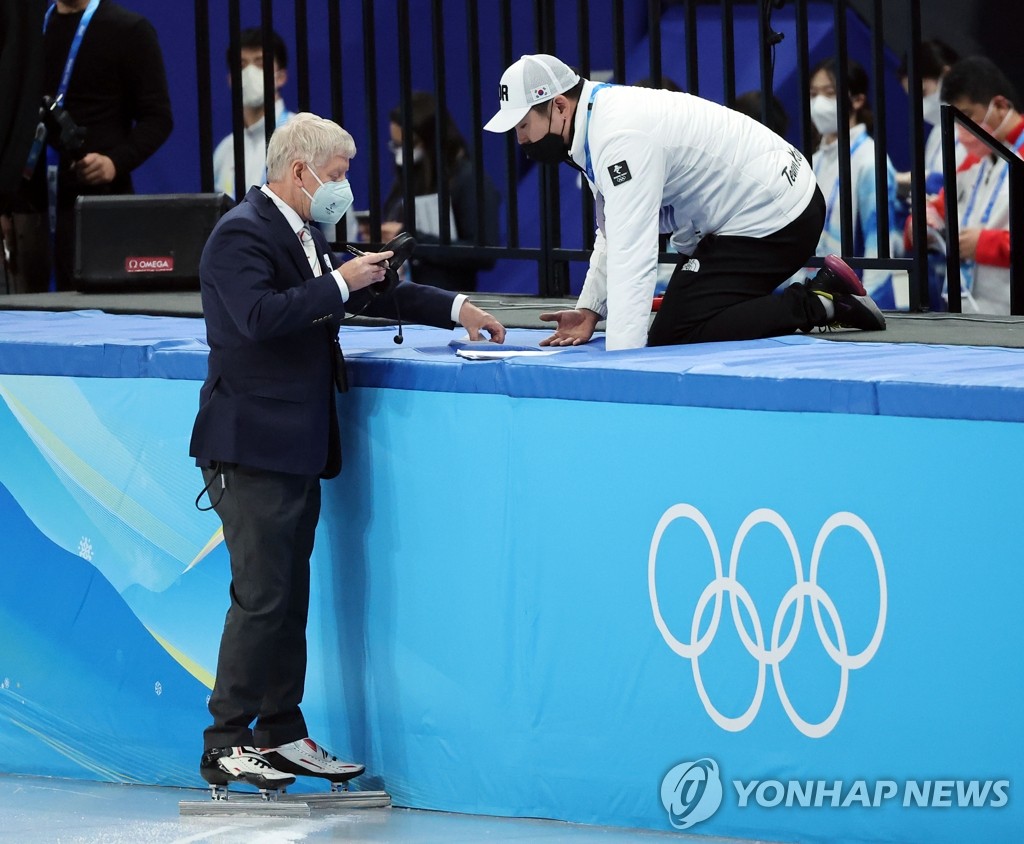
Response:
column 948, row 129
column 919, row 274
column 441, row 126
column 267, row 47
column 1016, row 224
column 1001, row 155
column 204, row 100
column 552, row 259
column 843, row 108
column 237, row 121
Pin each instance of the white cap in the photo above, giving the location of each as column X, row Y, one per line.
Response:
column 531, row 80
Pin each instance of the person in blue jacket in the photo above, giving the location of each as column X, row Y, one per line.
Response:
column 266, row 432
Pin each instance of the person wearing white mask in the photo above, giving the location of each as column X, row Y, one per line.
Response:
column 253, row 113
column 886, row 288
column 980, row 90
column 453, row 165
column 935, row 59
column 266, row 432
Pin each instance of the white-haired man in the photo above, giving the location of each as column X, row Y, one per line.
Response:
column 741, row 204
column 267, row 432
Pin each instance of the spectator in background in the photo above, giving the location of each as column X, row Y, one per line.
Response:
column 980, row 90
column 936, row 58
column 887, row 288
column 253, row 104
column 110, row 112
column 21, row 56
column 430, row 166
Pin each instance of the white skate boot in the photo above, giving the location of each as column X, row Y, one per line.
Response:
column 270, row 770
column 306, row 758
column 222, row 765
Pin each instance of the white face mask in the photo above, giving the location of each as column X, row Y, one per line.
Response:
column 252, row 86
column 825, row 114
column 330, row 200
column 417, row 156
column 932, row 108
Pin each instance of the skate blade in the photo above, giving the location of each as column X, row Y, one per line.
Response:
column 286, row 805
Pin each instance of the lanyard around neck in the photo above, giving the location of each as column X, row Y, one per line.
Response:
column 75, row 44
column 987, row 213
column 835, row 188
column 586, row 129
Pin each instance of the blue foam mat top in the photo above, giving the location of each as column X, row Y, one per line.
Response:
column 796, row 373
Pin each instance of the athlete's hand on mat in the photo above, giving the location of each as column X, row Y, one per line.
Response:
column 95, row 169
column 574, row 327
column 969, row 243
column 475, row 320
column 364, row 270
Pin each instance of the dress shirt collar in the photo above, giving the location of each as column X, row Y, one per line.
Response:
column 294, row 220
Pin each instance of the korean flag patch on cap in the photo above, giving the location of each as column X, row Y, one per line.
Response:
column 619, row 173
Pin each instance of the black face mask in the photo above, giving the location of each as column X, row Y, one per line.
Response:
column 550, row 149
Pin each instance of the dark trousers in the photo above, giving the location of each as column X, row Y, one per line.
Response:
column 269, row 524
column 730, row 296
column 31, row 252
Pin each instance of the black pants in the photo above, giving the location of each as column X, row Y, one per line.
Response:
column 730, row 296
column 269, row 525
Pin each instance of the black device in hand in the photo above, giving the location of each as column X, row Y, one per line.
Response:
column 402, row 245
column 61, row 126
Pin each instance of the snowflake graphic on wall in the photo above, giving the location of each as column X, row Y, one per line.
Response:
column 85, row 548
column 158, row 687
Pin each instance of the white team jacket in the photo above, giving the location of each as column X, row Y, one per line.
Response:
column 665, row 162
column 987, row 183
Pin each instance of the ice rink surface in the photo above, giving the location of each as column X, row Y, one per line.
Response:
column 41, row 810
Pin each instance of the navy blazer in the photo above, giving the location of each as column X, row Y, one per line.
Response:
column 269, row 399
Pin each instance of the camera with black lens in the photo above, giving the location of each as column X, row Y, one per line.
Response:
column 61, row 126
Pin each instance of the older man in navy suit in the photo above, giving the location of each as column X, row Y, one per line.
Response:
column 267, row 432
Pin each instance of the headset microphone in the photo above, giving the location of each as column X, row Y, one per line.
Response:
column 402, row 246
column 398, row 338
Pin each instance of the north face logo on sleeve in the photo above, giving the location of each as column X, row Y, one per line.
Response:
column 619, row 173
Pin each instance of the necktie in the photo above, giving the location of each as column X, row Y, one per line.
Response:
column 310, row 247
column 340, row 375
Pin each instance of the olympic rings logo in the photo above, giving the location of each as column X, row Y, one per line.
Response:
column 778, row 648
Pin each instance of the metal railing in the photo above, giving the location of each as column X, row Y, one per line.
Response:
column 472, row 42
column 950, row 117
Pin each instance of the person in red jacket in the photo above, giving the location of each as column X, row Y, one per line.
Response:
column 980, row 90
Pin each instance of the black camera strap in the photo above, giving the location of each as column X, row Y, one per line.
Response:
column 65, row 80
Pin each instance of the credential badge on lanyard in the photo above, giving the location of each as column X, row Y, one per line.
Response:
column 967, row 267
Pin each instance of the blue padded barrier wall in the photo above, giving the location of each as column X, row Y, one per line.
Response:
column 735, row 561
